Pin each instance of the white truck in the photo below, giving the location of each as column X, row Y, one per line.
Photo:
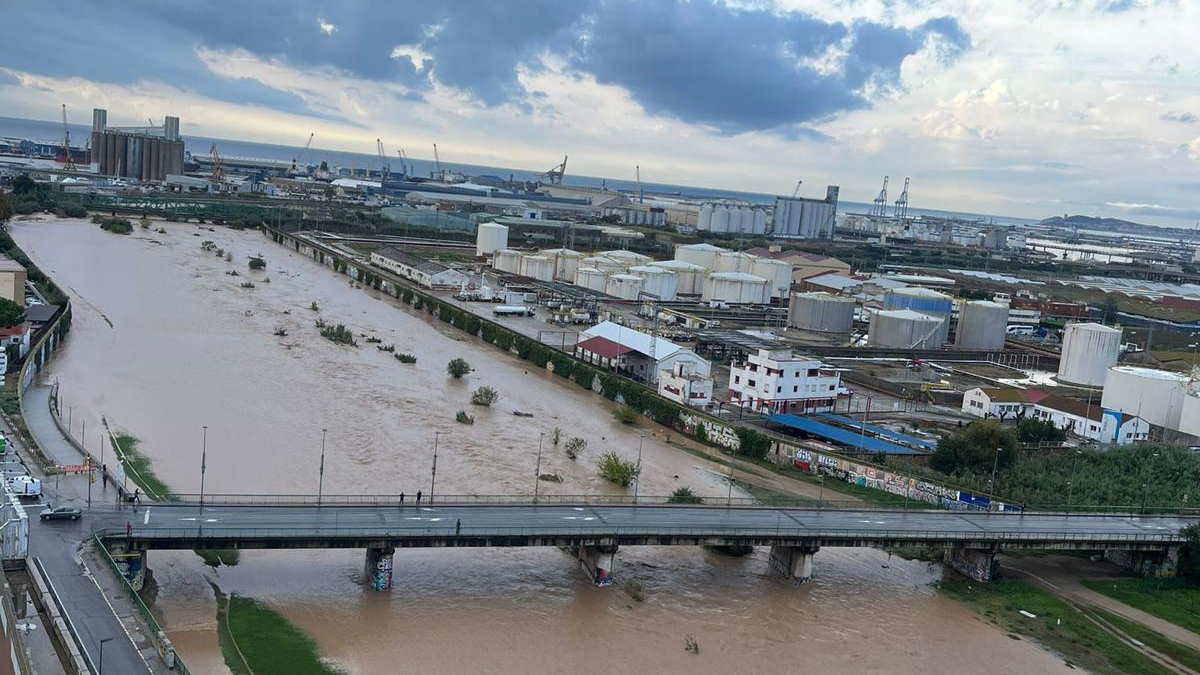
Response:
column 25, row 487
column 512, row 310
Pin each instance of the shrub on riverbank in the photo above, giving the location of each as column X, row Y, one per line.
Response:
column 339, row 333
column 463, row 418
column 116, row 225
column 612, row 468
column 684, row 495
column 257, row 262
column 406, row 358
column 485, row 396
column 625, row 415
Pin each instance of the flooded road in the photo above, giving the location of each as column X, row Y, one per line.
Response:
column 164, row 341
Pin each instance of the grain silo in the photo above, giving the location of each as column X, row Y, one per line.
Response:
column 925, row 301
column 591, row 278
column 490, row 237
column 1088, row 349
column 689, row 276
column 704, row 255
column 720, row 219
column 737, row 287
column 659, row 282
column 507, row 260
column 1156, row 396
column 904, row 329
column 777, row 272
column 982, row 324
column 704, row 218
column 734, row 261
column 565, row 262
column 534, row 266
column 624, row 286
column 821, row 312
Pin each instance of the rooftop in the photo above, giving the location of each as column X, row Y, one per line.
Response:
column 1010, row 395
column 603, row 347
column 421, row 264
column 1073, row 406
column 633, row 339
column 10, row 265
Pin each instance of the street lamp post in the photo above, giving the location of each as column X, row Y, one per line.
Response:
column 321, row 469
column 203, row 463
column 995, row 465
column 1071, row 483
column 637, row 476
column 101, row 667
column 537, row 473
column 433, row 471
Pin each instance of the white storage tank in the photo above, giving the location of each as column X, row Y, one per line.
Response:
column 720, row 218
column 689, row 276
column 624, row 286
column 734, row 261
column 777, row 272
column 704, row 219
column 628, row 257
column 507, row 260
column 904, row 329
column 1088, row 349
column 982, row 324
column 591, row 278
column 603, row 262
column 1156, row 396
column 565, row 261
column 737, row 287
column 704, row 255
column 490, row 237
column 662, row 283
column 925, row 301
column 536, row 266
column 821, row 312
column 735, row 220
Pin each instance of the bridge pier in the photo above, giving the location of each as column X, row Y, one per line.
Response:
column 378, row 568
column 1146, row 563
column 973, row 563
column 597, row 561
column 793, row 562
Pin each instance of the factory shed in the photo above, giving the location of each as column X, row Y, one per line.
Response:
column 850, row 440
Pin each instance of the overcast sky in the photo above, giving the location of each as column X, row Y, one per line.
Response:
column 1031, row 108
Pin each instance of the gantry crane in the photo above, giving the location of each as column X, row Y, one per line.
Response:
column 383, row 169
column 880, row 208
column 68, row 161
column 297, row 158
column 218, row 170
column 555, row 174
column 902, row 203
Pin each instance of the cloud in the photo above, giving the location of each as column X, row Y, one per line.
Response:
column 1179, row 116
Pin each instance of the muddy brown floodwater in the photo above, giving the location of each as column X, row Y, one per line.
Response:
column 164, row 341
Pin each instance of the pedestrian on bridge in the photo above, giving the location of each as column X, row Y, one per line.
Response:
column 458, row 526
column 418, row 497
column 401, row 500
column 128, row 528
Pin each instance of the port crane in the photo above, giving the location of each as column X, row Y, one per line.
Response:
column 297, row 158
column 383, row 168
column 404, row 168
column 638, row 170
column 68, row 161
column 796, row 192
column 902, row 203
column 218, row 170
column 880, row 208
column 555, row 174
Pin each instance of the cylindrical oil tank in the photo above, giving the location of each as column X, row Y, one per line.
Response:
column 982, row 324
column 1156, row 396
column 628, row 257
column 490, row 237
column 704, row 219
column 777, row 272
column 565, row 262
column 591, row 278
column 737, row 287
column 659, row 282
column 507, row 260
column 821, row 312
column 734, row 261
column 1088, row 349
column 689, row 276
column 904, row 329
column 624, row 286
column 603, row 262
column 536, row 266
column 925, row 301
column 704, row 255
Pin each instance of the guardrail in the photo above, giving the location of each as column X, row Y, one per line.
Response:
column 162, row 644
column 782, row 531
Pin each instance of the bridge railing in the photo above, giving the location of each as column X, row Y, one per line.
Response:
column 384, row 500
column 783, row 531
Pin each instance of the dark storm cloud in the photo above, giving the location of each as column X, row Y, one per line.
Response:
column 734, row 69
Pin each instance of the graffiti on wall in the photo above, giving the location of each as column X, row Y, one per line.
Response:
column 381, row 575
column 977, row 565
column 717, row 434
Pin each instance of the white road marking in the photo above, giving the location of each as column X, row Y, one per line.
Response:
column 578, row 508
column 146, row 520
column 434, row 520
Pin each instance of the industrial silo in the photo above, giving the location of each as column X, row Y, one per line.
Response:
column 535, row 266
column 760, row 221
column 603, row 262
column 689, row 276
column 704, row 219
column 624, row 286
column 776, row 272
column 659, row 282
column 734, row 261
column 628, row 257
column 821, row 312
column 925, row 301
column 720, row 219
column 904, row 329
column 507, row 260
column 1088, row 349
column 982, row 324
column 490, row 237
column 1156, row 396
column 565, row 262
column 737, row 287
column 591, row 278
column 704, row 255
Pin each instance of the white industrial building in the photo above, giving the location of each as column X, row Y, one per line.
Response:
column 507, row 260
column 1088, row 350
column 1000, row 402
column 780, row 381
column 426, row 273
column 805, row 218
column 731, row 218
column 635, row 353
column 1091, row 421
column 683, row 385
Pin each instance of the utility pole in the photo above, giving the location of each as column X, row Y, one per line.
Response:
column 537, row 473
column 203, row 464
column 321, row 470
column 637, row 477
column 995, row 464
column 433, row 472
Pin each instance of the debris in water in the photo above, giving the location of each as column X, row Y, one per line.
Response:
column 690, row 644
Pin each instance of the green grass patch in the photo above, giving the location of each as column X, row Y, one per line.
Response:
column 1057, row 626
column 228, row 557
column 269, row 643
column 1174, row 600
column 229, row 650
column 139, row 470
column 1181, row 654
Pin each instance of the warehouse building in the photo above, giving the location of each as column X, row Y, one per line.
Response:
column 634, row 353
column 143, row 153
column 426, row 273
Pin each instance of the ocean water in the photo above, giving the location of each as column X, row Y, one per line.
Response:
column 52, row 132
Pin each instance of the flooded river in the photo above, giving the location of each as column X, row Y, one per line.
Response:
column 164, row 341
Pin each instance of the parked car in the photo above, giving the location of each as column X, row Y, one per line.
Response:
column 61, row 513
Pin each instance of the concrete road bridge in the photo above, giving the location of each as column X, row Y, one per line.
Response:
column 595, row 528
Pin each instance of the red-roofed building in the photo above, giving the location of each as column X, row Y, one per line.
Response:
column 804, row 264
column 605, row 353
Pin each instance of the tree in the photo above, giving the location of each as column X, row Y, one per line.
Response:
column 978, row 447
column 456, row 368
column 684, row 495
column 257, row 262
column 23, row 185
column 1110, row 308
column 6, row 210
column 611, row 467
column 1031, row 430
column 11, row 313
column 1189, row 555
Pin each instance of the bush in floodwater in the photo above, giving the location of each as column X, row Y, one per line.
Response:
column 574, row 446
column 484, row 396
column 684, row 495
column 456, row 368
column 463, row 418
column 635, row 589
column 339, row 334
column 116, row 225
column 314, row 306
column 556, row 435
column 257, row 262
column 625, row 415
column 612, row 467
column 406, row 358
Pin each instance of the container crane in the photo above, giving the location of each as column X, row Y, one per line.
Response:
column 218, row 170
column 555, row 174
column 403, row 164
column 383, row 168
column 880, row 208
column 68, row 161
column 796, row 192
column 902, row 203
column 297, row 158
